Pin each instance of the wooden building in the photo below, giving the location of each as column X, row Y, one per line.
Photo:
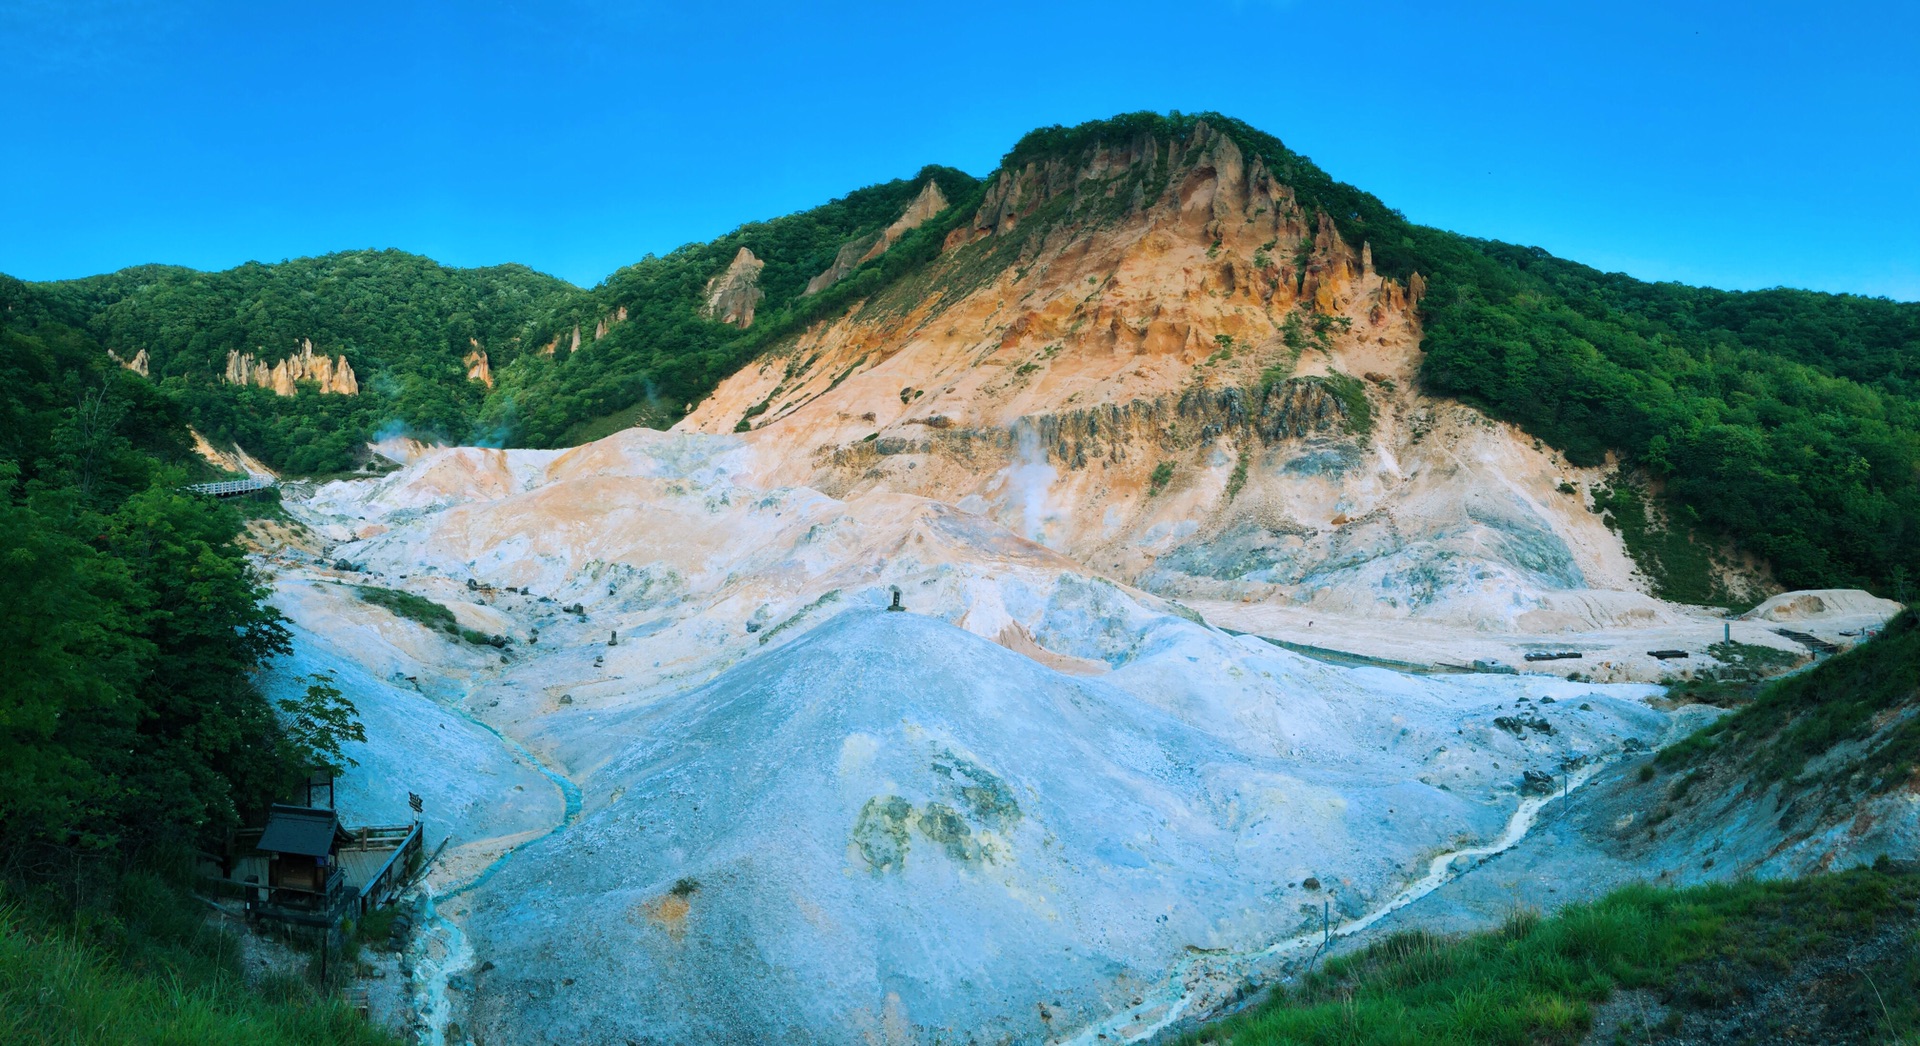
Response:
column 306, row 869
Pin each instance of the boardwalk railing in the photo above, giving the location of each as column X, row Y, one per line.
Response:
column 232, row 487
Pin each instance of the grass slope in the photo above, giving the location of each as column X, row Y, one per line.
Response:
column 145, row 968
column 1710, row 956
column 1864, row 703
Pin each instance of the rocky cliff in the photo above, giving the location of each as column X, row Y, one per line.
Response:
column 1152, row 356
column 333, row 374
column 139, row 364
column 478, row 368
column 856, row 252
column 732, row 295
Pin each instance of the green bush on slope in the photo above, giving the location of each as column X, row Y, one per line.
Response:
column 1856, row 697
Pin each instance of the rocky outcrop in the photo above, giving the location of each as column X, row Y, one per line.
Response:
column 139, row 364
column 1295, row 409
column 607, row 322
column 1298, row 408
column 333, row 374
column 930, row 202
column 1205, row 185
column 856, row 252
column 851, row 254
column 732, row 295
column 477, row 366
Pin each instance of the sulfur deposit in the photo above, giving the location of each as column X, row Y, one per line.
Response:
column 771, row 766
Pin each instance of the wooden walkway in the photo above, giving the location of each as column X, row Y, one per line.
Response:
column 232, row 487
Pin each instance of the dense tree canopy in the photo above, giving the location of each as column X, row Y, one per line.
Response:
column 133, row 623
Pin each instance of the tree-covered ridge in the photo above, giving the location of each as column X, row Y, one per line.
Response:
column 666, row 355
column 405, row 324
column 382, row 309
column 402, row 321
column 1784, row 420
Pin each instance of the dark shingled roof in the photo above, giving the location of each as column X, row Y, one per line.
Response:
column 299, row 830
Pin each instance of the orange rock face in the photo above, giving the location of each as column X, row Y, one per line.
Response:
column 478, row 369
column 1155, row 355
column 732, row 295
column 333, row 374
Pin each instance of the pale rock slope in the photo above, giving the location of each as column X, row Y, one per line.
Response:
column 805, row 818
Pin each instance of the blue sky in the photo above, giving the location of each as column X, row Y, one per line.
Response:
column 1737, row 145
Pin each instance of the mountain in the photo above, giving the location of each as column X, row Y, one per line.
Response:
column 1267, row 568
column 1773, row 426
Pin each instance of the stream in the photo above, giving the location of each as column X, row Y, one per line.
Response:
column 440, row 952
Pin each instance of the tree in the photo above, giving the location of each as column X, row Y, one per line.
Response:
column 319, row 721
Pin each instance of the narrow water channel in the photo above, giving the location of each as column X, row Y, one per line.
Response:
column 1195, row 980
column 440, row 951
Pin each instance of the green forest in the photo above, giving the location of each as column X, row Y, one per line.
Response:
column 131, row 731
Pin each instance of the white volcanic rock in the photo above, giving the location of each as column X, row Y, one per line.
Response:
column 893, row 823
column 807, row 817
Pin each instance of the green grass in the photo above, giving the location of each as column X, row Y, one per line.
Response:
column 1353, row 396
column 1158, row 480
column 1537, row 980
column 143, row 967
column 799, row 614
column 423, row 610
column 1680, row 566
column 645, row 413
column 1765, row 660
column 412, row 607
column 1239, row 477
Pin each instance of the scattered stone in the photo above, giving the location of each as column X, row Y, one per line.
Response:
column 1537, row 782
column 1519, row 725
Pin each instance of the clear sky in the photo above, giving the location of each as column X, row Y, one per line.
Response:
column 1733, row 144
